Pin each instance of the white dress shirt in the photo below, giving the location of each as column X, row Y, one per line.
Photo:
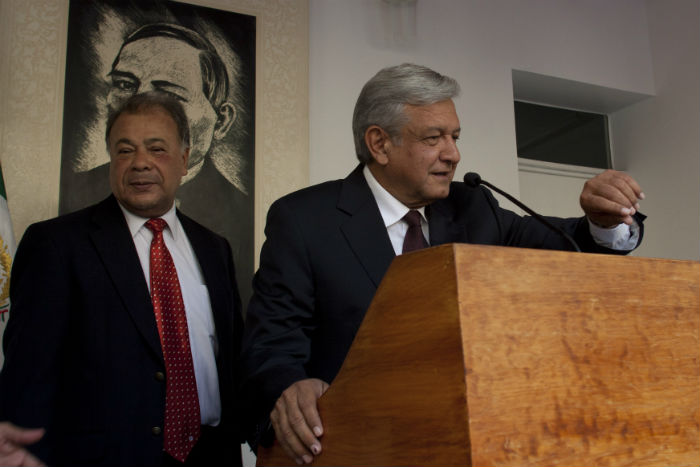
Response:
column 195, row 295
column 621, row 237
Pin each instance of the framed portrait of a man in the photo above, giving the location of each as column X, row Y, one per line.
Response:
column 204, row 57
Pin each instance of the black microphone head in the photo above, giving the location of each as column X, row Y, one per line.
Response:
column 472, row 179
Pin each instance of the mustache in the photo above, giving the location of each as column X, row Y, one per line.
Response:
column 449, row 167
column 141, row 180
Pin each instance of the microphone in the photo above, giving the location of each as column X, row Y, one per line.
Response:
column 473, row 180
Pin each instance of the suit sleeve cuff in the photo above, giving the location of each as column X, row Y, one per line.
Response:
column 622, row 237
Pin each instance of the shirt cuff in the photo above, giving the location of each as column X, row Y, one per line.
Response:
column 622, row 237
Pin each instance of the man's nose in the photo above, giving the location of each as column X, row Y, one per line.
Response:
column 142, row 160
column 450, row 152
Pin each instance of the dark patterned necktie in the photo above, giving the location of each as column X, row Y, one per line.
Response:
column 182, row 418
column 414, row 239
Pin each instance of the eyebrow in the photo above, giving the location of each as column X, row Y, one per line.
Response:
column 167, row 84
column 160, row 84
column 147, row 141
column 124, row 141
column 441, row 130
column 124, row 74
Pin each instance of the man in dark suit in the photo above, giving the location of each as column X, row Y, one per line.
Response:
column 328, row 246
column 179, row 61
column 114, row 320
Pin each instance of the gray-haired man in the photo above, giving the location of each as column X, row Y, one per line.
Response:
column 328, row 246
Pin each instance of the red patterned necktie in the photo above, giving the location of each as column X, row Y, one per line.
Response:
column 182, row 419
column 414, row 239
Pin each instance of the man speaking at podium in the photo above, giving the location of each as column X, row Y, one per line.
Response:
column 328, row 246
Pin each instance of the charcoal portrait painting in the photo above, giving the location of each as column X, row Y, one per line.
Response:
column 205, row 58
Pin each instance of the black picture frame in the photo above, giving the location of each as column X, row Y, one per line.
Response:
column 220, row 193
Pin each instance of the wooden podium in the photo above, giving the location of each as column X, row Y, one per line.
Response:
column 489, row 356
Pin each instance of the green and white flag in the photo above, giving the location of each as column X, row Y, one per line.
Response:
column 7, row 252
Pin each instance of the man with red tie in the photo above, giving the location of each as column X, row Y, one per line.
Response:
column 125, row 321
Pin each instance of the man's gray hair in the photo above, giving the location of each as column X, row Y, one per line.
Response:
column 147, row 101
column 383, row 98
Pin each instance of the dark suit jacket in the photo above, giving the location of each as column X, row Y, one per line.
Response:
column 326, row 252
column 209, row 198
column 82, row 349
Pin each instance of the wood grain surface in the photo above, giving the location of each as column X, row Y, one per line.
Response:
column 580, row 360
column 489, row 356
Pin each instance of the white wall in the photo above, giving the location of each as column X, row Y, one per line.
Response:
column 658, row 139
column 479, row 42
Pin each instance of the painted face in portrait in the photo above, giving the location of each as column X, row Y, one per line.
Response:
column 147, row 161
column 172, row 66
column 418, row 168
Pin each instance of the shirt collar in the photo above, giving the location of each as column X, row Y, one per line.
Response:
column 136, row 223
column 391, row 209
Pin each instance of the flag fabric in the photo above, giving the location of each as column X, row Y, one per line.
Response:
column 7, row 253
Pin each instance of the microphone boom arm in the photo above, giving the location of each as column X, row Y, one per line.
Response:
column 533, row 214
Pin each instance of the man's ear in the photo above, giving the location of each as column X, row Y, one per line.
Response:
column 378, row 142
column 185, row 158
column 225, row 116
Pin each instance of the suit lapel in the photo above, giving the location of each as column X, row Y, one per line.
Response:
column 115, row 246
column 212, row 272
column 442, row 225
column 224, row 300
column 364, row 229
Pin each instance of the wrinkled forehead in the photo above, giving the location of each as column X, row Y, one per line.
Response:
column 441, row 115
column 146, row 119
column 165, row 57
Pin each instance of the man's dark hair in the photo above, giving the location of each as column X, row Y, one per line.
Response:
column 147, row 101
column 215, row 81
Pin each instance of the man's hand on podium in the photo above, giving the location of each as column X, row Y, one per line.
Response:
column 296, row 420
column 12, row 442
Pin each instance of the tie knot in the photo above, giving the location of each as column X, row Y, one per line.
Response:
column 156, row 225
column 412, row 218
